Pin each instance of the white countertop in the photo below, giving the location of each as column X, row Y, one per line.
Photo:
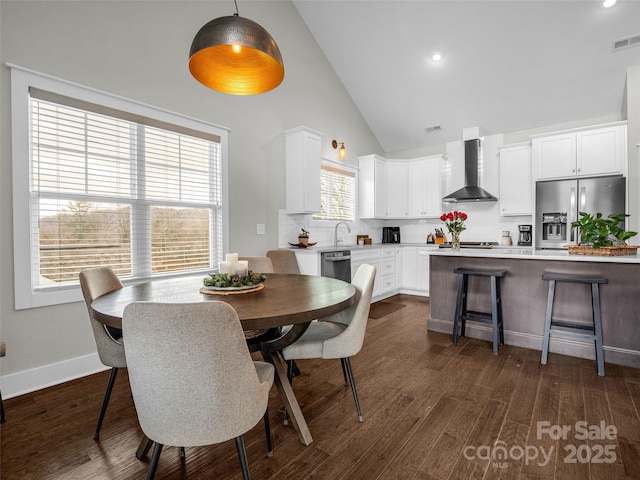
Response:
column 524, row 253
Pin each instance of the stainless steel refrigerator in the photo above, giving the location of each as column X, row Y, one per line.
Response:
column 559, row 201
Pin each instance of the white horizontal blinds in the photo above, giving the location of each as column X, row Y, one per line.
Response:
column 337, row 194
column 111, row 191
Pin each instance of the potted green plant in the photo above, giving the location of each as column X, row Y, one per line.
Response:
column 303, row 237
column 601, row 235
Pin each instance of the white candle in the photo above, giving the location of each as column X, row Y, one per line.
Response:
column 242, row 268
column 232, row 259
column 225, row 267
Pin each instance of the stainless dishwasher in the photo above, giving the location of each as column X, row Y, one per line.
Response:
column 336, row 265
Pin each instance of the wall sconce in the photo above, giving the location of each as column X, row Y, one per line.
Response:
column 342, row 153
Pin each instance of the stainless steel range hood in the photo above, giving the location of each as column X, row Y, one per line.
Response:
column 471, row 192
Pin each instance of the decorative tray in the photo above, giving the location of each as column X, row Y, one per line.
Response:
column 302, row 245
column 231, row 290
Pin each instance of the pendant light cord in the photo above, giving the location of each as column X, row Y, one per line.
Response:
column 237, row 14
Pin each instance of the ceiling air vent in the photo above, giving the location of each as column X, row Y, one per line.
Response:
column 632, row 41
column 435, row 128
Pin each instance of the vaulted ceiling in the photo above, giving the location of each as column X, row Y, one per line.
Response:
column 507, row 65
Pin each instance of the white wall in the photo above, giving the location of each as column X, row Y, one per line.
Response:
column 139, row 50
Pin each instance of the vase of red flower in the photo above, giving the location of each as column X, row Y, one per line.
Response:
column 455, row 224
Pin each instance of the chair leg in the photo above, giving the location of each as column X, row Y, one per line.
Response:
column 597, row 327
column 454, row 335
column 547, row 322
column 267, row 432
column 105, row 402
column 183, row 454
column 155, row 458
column 344, row 370
column 2, row 419
column 243, row 457
column 494, row 314
column 291, row 367
column 347, row 362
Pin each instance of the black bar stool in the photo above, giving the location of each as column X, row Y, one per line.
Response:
column 463, row 314
column 595, row 329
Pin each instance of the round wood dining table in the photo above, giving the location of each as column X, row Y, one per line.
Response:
column 285, row 300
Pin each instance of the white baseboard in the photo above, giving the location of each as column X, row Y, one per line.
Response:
column 48, row 375
column 560, row 345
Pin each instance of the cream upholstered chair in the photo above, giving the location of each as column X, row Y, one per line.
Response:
column 284, row 261
column 259, row 264
column 199, row 385
column 340, row 335
column 95, row 283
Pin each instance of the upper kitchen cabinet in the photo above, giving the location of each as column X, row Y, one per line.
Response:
column 400, row 188
column 397, row 191
column 372, row 187
column 586, row 152
column 302, row 152
column 425, row 187
column 516, row 187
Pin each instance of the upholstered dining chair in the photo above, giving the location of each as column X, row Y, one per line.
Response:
column 95, row 283
column 259, row 264
column 223, row 393
column 284, row 261
column 340, row 335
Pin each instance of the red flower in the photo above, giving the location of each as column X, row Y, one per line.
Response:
column 450, row 216
column 443, row 217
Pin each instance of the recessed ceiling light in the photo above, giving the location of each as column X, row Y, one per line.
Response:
column 436, row 57
column 608, row 3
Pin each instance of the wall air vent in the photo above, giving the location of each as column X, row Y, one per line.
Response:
column 632, row 41
column 435, row 128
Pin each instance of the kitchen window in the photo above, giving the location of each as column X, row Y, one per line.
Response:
column 110, row 182
column 337, row 192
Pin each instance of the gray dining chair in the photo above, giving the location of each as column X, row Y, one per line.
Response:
column 284, row 261
column 95, row 283
column 259, row 264
column 199, row 385
column 338, row 336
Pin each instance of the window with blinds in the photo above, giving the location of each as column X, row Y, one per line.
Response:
column 337, row 194
column 111, row 188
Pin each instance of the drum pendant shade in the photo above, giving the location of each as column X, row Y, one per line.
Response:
column 237, row 56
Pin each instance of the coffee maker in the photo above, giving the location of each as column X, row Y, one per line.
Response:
column 390, row 234
column 525, row 237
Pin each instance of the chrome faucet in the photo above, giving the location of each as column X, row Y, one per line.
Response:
column 335, row 233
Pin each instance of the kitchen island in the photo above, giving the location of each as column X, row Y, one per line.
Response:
column 524, row 298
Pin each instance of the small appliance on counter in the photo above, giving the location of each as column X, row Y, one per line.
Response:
column 390, row 234
column 524, row 238
column 506, row 238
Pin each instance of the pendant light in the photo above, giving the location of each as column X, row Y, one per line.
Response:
column 237, row 56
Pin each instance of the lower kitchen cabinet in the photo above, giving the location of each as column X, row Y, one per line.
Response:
column 372, row 257
column 415, row 270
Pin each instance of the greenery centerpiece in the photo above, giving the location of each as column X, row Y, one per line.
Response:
column 454, row 222
column 601, row 235
column 226, row 280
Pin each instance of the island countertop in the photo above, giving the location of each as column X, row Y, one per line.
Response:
column 527, row 253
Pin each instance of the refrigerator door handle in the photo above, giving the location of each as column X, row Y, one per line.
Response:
column 583, row 198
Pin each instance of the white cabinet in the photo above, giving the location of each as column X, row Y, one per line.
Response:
column 584, row 152
column 425, row 187
column 372, row 257
column 387, row 270
column 397, row 191
column 302, row 152
column 372, row 187
column 516, row 186
column 415, row 269
column 400, row 188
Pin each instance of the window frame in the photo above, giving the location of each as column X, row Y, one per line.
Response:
column 348, row 168
column 22, row 80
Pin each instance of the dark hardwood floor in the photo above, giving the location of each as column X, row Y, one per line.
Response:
column 431, row 411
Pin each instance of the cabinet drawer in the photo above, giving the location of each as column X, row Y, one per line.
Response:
column 388, row 266
column 388, row 283
column 388, row 252
column 365, row 256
